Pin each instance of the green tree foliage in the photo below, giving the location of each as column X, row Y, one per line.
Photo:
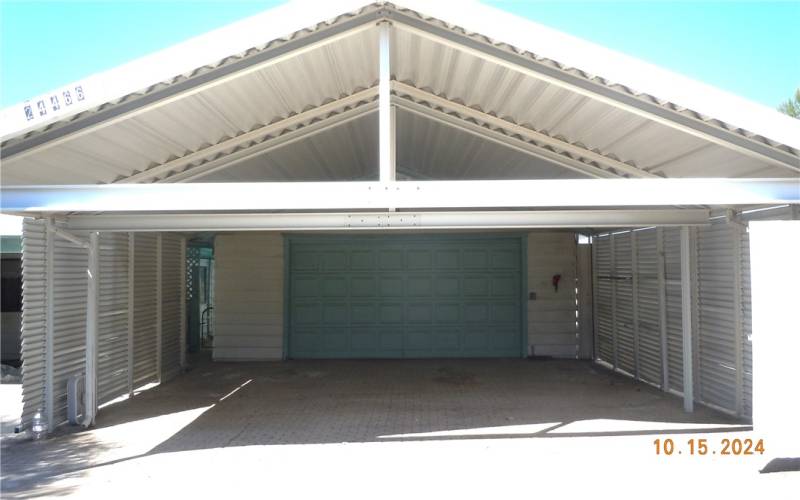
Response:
column 791, row 106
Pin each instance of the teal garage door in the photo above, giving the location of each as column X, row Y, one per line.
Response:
column 404, row 296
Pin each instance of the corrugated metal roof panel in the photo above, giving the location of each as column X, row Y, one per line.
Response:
column 195, row 119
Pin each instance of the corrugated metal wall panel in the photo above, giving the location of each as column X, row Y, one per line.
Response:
column 622, row 280
column 69, row 284
column 747, row 327
column 170, row 305
column 33, row 317
column 603, row 316
column 144, row 306
column 716, row 373
column 112, row 334
column 649, row 317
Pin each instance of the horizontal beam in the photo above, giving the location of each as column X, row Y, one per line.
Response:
column 265, row 196
column 388, row 221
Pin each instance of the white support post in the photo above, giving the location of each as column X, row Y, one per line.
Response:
column 92, row 310
column 131, row 298
column 386, row 115
column 595, row 315
column 159, row 307
column 182, row 303
column 635, row 305
column 49, row 338
column 686, row 316
column 614, row 303
column 662, row 308
column 738, row 316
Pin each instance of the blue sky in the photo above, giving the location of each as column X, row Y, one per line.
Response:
column 748, row 48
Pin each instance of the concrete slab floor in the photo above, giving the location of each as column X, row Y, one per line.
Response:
column 391, row 429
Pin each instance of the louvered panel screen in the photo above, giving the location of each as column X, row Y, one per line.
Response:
column 648, row 306
column 623, row 281
column 112, row 334
column 716, row 260
column 144, row 309
column 602, row 303
column 70, row 284
column 672, row 257
column 170, row 300
column 33, row 317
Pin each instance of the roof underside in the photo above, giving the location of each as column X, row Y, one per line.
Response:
column 305, row 108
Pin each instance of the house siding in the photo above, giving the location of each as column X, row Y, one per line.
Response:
column 248, row 319
column 552, row 329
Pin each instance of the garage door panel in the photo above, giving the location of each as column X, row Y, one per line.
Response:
column 475, row 259
column 476, row 312
column 306, row 314
column 505, row 312
column 448, row 313
column 419, row 313
column 448, row 259
column 361, row 260
column 419, row 286
column 306, row 287
column 447, row 285
column 363, row 286
column 505, row 286
column 390, row 260
column 363, row 314
column 334, row 286
column 333, row 314
column 419, row 259
column 392, row 286
column 413, row 297
column 476, row 286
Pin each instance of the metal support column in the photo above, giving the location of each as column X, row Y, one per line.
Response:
column 182, row 303
column 614, row 341
column 92, row 319
column 738, row 317
column 635, row 305
column 686, row 316
column 662, row 308
column 49, row 335
column 386, row 114
column 159, row 306
column 131, row 294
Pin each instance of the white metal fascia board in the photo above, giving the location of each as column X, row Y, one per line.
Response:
column 260, row 196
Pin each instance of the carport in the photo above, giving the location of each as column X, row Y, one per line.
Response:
column 382, row 182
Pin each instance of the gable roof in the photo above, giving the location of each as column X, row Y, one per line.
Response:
column 522, row 94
